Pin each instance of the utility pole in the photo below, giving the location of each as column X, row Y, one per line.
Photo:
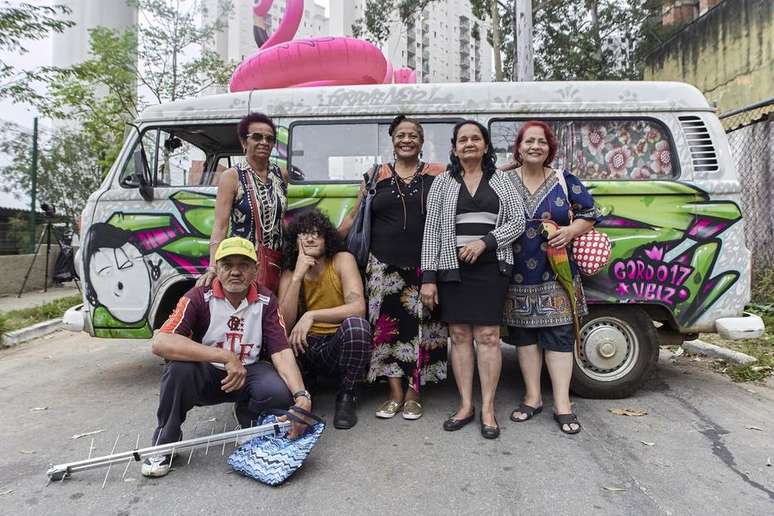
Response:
column 523, row 67
column 495, row 15
column 34, row 185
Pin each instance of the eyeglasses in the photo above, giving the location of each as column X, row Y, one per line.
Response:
column 261, row 137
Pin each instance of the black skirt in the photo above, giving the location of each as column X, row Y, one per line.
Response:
column 477, row 299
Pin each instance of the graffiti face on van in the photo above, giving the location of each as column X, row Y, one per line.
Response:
column 117, row 277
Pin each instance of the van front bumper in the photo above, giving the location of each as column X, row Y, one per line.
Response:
column 749, row 326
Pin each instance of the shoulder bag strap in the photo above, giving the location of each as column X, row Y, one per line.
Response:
column 563, row 184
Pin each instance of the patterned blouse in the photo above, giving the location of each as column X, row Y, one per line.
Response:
column 272, row 200
column 535, row 299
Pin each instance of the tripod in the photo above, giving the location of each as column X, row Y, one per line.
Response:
column 47, row 236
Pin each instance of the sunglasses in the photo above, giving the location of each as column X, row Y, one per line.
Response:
column 260, row 137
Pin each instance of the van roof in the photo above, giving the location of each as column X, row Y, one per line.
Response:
column 602, row 97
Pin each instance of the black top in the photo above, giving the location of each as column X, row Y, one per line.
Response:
column 477, row 217
column 397, row 239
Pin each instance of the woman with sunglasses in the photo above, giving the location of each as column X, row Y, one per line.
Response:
column 251, row 200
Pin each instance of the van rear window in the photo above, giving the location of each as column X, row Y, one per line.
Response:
column 335, row 151
column 600, row 149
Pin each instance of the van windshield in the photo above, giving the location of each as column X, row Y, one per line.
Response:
column 189, row 156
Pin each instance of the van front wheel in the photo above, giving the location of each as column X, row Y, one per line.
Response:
column 620, row 347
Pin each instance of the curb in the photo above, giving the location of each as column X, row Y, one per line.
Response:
column 711, row 350
column 14, row 338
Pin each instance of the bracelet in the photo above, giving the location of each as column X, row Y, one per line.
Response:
column 214, row 242
column 302, row 393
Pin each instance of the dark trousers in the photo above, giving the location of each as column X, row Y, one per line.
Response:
column 346, row 354
column 185, row 385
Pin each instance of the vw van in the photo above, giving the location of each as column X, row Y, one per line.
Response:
column 653, row 154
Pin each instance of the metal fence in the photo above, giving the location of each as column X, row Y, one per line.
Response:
column 751, row 136
column 15, row 237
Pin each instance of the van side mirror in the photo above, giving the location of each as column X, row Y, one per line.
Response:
column 143, row 174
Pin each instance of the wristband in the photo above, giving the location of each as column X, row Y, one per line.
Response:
column 302, row 393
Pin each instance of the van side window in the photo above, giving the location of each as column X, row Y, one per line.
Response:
column 601, row 149
column 175, row 160
column 324, row 152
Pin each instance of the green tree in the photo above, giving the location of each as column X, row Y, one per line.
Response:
column 19, row 23
column 68, row 171
column 166, row 57
column 379, row 15
column 577, row 39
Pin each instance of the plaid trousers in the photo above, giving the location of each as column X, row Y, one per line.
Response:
column 346, row 353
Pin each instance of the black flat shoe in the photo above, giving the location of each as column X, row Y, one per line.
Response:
column 490, row 432
column 345, row 414
column 452, row 425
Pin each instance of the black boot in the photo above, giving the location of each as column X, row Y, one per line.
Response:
column 346, row 410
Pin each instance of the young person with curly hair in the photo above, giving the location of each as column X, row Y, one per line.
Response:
column 321, row 299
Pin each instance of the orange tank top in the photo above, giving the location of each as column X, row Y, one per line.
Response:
column 324, row 292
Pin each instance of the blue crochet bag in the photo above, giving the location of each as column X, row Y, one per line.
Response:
column 272, row 459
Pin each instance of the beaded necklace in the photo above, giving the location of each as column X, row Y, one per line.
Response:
column 266, row 214
column 397, row 180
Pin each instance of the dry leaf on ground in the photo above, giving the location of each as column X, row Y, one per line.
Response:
column 754, row 428
column 38, row 409
column 614, row 489
column 78, row 436
column 628, row 412
column 646, row 443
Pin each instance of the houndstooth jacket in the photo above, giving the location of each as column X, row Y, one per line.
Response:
column 439, row 252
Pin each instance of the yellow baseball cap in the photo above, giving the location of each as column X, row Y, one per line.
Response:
column 236, row 245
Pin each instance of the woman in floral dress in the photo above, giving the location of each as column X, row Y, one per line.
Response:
column 409, row 342
column 537, row 310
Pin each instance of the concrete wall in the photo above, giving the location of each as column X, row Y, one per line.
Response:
column 727, row 54
column 13, row 268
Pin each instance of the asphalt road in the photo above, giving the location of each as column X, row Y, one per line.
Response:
column 711, row 440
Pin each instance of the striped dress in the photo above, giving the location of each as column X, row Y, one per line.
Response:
column 479, row 295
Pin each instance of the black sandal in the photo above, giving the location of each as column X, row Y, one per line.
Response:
column 530, row 412
column 568, row 419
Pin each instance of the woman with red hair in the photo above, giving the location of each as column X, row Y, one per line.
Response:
column 537, row 309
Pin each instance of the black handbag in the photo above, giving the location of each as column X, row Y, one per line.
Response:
column 359, row 237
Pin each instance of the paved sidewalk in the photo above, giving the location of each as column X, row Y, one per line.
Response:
column 37, row 298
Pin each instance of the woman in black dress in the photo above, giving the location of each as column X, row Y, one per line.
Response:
column 473, row 216
column 409, row 344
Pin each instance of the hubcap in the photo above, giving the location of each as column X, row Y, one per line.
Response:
column 610, row 348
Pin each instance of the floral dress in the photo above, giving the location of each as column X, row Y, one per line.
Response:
column 407, row 340
column 535, row 299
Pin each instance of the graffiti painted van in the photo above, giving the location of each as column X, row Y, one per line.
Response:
column 653, row 154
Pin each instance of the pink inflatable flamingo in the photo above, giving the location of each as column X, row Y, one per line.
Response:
column 282, row 62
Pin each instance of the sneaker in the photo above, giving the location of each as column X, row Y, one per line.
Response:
column 345, row 416
column 412, row 409
column 388, row 409
column 156, row 466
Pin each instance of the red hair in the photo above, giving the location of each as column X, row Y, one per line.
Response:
column 550, row 138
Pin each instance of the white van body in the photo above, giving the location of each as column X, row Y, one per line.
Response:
column 653, row 154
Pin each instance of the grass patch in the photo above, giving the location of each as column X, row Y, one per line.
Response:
column 17, row 319
column 763, row 287
column 761, row 348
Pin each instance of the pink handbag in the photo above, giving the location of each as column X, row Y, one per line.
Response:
column 591, row 250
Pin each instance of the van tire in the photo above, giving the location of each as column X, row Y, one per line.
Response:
column 621, row 348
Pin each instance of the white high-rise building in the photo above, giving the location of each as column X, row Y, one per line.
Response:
column 236, row 40
column 72, row 46
column 445, row 43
